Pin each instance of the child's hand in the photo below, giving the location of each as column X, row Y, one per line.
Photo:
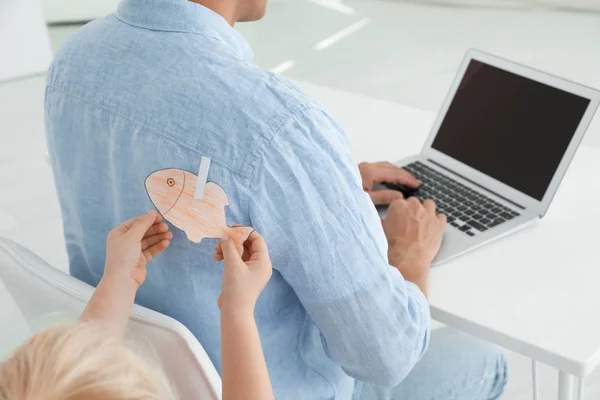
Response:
column 131, row 245
column 243, row 279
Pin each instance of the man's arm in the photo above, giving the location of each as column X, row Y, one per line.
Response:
column 327, row 242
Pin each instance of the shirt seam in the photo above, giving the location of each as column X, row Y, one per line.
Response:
column 270, row 140
column 300, row 335
column 105, row 108
column 260, row 155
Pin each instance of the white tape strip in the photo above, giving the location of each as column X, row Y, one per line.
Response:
column 202, row 177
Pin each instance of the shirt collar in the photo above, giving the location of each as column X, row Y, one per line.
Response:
column 183, row 16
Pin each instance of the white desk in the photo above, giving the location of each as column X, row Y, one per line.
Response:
column 536, row 292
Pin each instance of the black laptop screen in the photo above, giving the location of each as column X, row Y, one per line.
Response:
column 509, row 127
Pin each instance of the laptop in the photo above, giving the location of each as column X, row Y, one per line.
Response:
column 499, row 149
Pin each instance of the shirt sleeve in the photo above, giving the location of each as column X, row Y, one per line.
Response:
column 326, row 239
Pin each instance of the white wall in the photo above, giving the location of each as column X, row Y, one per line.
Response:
column 584, row 5
column 24, row 42
column 77, row 10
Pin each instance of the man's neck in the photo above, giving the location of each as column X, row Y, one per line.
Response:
column 226, row 9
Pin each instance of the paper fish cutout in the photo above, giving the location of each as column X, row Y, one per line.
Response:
column 172, row 193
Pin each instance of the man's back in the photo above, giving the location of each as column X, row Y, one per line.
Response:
column 163, row 83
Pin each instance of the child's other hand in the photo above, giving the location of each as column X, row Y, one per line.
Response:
column 131, row 245
column 243, row 279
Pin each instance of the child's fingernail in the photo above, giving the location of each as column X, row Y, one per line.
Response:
column 224, row 238
column 151, row 212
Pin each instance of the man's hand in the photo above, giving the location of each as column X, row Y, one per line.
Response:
column 375, row 173
column 414, row 232
column 131, row 245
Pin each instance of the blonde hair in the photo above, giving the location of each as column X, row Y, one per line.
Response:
column 77, row 362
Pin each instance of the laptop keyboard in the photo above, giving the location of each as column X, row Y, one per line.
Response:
column 467, row 210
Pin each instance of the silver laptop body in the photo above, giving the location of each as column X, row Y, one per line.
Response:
column 499, row 149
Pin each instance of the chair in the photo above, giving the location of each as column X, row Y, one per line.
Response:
column 40, row 289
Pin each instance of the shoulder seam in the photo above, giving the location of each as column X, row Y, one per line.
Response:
column 268, row 146
column 293, row 116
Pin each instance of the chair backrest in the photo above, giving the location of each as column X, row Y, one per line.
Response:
column 40, row 290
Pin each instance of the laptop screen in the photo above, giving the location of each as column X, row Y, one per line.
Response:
column 509, row 127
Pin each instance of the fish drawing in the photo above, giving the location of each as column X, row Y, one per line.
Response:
column 172, row 193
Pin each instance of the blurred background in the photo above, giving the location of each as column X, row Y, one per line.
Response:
column 404, row 52
column 401, row 51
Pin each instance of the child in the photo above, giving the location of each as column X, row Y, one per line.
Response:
column 89, row 359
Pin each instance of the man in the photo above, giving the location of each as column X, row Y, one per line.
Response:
column 162, row 83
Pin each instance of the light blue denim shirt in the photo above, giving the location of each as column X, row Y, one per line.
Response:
column 163, row 82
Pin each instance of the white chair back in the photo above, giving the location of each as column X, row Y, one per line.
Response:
column 40, row 290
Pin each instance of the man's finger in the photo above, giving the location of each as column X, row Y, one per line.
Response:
column 141, row 224
column 405, row 178
column 150, row 241
column 155, row 250
column 384, row 197
column 442, row 217
column 390, row 173
column 429, row 206
column 414, row 200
